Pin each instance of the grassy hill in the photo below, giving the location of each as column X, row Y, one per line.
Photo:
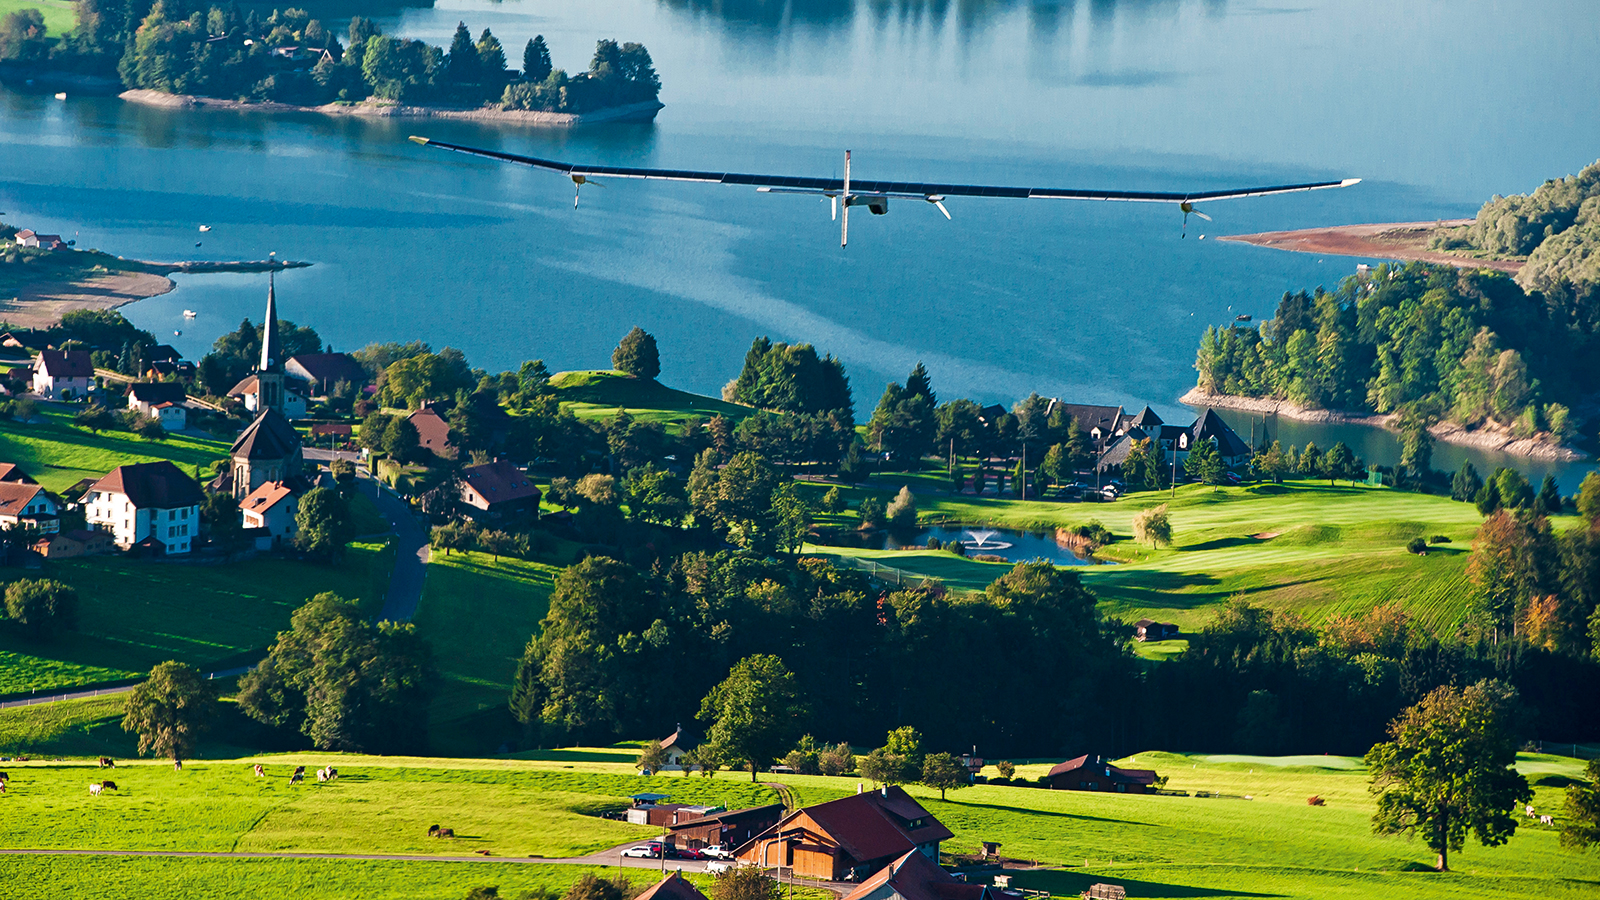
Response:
column 1308, row 546
column 1260, row 839
column 598, row 395
column 57, row 454
column 60, row 16
column 133, row 614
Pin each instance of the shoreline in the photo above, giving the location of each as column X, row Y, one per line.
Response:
column 633, row 112
column 1489, row 437
column 1403, row 241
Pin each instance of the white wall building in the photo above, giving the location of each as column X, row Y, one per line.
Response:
column 152, row 502
column 62, row 374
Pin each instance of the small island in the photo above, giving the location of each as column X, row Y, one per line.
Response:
column 289, row 61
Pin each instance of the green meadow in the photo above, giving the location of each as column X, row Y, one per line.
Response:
column 599, row 395
column 60, row 16
column 133, row 614
column 58, row 454
column 1317, row 549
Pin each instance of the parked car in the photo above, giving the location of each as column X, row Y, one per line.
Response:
column 643, row 851
column 687, row 853
column 717, row 853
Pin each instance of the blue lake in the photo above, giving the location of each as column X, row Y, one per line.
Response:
column 1436, row 104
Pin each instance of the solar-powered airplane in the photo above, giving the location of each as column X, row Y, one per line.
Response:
column 875, row 195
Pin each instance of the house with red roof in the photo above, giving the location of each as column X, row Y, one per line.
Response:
column 499, row 489
column 848, row 839
column 1096, row 773
column 28, row 506
column 672, row 887
column 916, row 877
column 271, row 507
column 154, row 504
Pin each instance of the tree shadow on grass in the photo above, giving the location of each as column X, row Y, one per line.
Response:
column 1067, row 884
column 1218, row 544
column 1047, row 813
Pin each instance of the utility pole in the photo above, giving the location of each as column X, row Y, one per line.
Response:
column 1174, row 468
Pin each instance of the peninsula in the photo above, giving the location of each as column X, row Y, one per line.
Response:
column 1403, row 241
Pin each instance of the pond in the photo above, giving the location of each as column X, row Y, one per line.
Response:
column 1014, row 546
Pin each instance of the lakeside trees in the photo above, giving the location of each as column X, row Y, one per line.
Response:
column 1468, row 346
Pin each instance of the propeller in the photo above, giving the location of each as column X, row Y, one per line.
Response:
column 580, row 181
column 1188, row 208
column 938, row 200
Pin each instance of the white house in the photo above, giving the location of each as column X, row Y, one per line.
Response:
column 62, row 374
column 28, row 505
column 27, row 237
column 249, row 390
column 272, row 507
column 163, row 400
column 153, row 503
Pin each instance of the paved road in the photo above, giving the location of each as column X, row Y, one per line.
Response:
column 410, row 554
column 101, row 692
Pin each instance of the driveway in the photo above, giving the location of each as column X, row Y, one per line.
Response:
column 411, row 553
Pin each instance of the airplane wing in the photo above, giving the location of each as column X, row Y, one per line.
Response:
column 920, row 190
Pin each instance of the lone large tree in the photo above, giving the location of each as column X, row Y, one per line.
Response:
column 637, row 355
column 170, row 710
column 754, row 713
column 1449, row 770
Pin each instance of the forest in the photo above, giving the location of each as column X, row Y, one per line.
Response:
column 1429, row 341
column 1557, row 227
column 183, row 47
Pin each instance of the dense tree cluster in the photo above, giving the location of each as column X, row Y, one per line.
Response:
column 237, row 353
column 1468, row 346
column 1557, row 227
column 187, row 47
column 793, row 379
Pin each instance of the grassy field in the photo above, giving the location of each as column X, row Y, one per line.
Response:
column 598, row 395
column 60, row 16
column 1260, row 839
column 134, row 614
column 1305, row 546
column 57, row 454
column 478, row 613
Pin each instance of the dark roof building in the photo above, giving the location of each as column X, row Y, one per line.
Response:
column 499, row 488
column 1146, row 420
column 433, row 432
column 152, row 485
column 65, row 364
column 153, row 392
column 13, row 472
column 268, row 449
column 321, row 371
column 916, row 877
column 672, row 887
column 729, row 828
column 1096, row 773
column 1230, row 446
column 1099, row 422
column 854, row 836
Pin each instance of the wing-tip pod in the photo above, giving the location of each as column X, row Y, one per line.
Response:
column 418, row 140
column 1349, row 181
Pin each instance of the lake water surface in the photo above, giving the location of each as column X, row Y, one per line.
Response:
column 1436, row 104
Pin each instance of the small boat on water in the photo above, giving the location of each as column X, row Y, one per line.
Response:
column 177, row 334
column 205, row 227
column 1242, row 318
column 188, row 314
column 62, row 95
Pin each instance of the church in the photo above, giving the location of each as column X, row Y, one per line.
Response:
column 267, row 460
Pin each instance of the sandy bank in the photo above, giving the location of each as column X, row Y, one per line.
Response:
column 636, row 112
column 42, row 304
column 1407, row 241
column 1486, row 437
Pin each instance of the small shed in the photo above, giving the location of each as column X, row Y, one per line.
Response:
column 1105, row 892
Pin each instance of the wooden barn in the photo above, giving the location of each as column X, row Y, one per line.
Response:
column 1096, row 773
column 727, row 829
column 848, row 839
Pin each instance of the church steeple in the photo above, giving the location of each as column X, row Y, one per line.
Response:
column 269, row 374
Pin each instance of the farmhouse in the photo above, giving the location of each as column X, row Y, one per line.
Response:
column 433, row 432
column 672, row 887
column 27, row 237
column 318, row 373
column 62, row 374
column 727, row 828
column 916, row 877
column 1151, row 630
column 163, row 400
column 499, row 489
column 1096, row 773
column 28, row 506
column 678, row 745
column 849, row 838
column 152, row 502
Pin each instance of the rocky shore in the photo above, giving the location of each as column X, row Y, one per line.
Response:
column 1486, row 437
column 634, row 112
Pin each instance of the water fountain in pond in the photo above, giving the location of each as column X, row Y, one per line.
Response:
column 980, row 541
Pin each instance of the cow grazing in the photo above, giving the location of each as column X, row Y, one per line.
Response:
column 260, row 771
column 108, row 785
column 2, row 787
column 296, row 778
column 107, row 762
column 299, row 770
column 95, row 789
column 332, row 773
column 1529, row 810
column 4, row 778
column 484, row 852
column 433, row 831
column 177, row 765
column 322, row 776
column 447, row 832
column 1547, row 820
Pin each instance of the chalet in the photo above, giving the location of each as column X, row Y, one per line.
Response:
column 1175, row 441
column 916, row 877
column 318, row 373
column 150, row 502
column 1100, row 423
column 725, row 828
column 163, row 400
column 13, row 472
column 499, row 489
column 1096, row 773
column 1235, row 451
column 27, row 237
column 272, row 507
column 62, row 374
column 671, row 887
column 28, row 506
column 433, row 432
column 678, row 745
column 1149, row 630
column 849, row 838
column 77, row 542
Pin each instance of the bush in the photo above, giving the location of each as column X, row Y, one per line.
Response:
column 1006, row 769
column 41, row 605
column 902, row 511
column 935, row 544
column 872, row 513
column 1439, row 539
column 1418, row 546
